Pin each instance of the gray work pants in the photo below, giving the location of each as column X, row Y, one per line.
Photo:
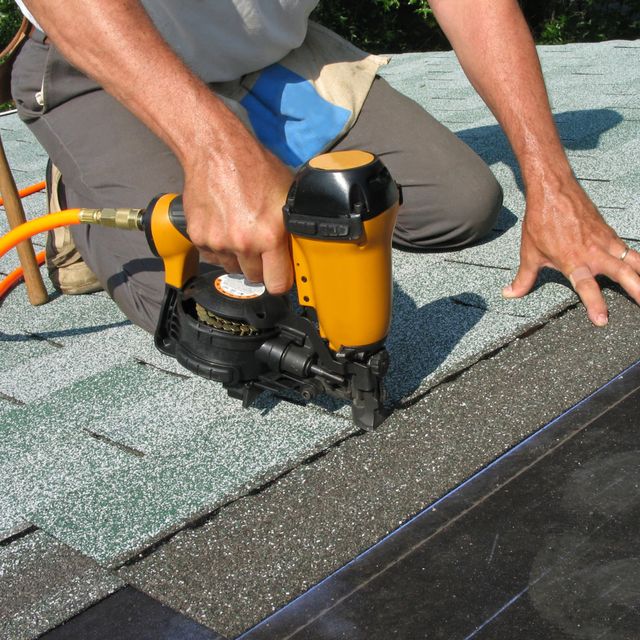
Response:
column 109, row 158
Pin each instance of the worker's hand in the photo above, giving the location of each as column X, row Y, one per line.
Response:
column 234, row 213
column 563, row 229
column 234, row 188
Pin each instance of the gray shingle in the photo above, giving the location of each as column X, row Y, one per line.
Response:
column 43, row 583
column 446, row 315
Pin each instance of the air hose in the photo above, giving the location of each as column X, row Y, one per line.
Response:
column 16, row 276
column 34, row 227
column 120, row 218
column 27, row 191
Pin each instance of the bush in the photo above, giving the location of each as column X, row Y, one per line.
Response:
column 565, row 21
column 10, row 19
column 408, row 25
column 382, row 26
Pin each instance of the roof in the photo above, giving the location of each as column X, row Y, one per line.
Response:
column 108, row 448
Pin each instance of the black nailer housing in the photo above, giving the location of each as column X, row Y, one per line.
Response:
column 340, row 212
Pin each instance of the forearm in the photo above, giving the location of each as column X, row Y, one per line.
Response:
column 562, row 227
column 234, row 188
column 496, row 50
column 115, row 42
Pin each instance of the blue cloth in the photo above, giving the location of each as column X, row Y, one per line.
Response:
column 290, row 118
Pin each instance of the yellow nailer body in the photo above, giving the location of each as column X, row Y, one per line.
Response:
column 341, row 212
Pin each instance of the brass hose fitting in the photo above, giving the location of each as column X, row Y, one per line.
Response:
column 117, row 218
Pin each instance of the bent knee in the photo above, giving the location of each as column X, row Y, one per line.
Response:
column 477, row 210
column 462, row 213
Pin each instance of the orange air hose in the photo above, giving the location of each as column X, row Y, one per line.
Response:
column 34, row 227
column 26, row 231
column 27, row 191
column 16, row 275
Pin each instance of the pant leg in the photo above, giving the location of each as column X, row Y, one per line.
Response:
column 451, row 198
column 108, row 158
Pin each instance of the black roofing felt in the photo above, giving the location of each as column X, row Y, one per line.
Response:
column 259, row 552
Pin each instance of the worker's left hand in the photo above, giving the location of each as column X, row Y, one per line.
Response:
column 563, row 229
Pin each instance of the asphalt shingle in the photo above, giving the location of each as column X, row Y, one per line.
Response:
column 43, row 583
column 264, row 550
column 70, row 361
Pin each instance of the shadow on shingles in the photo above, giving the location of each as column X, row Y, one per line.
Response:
column 506, row 219
column 63, row 333
column 53, row 295
column 579, row 131
column 420, row 340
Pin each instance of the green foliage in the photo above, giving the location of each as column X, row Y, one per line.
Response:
column 409, row 25
column 10, row 18
column 562, row 21
column 383, row 25
column 554, row 30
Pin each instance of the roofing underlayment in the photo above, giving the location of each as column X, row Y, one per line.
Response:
column 109, row 450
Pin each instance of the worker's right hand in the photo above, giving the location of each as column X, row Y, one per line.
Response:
column 234, row 188
column 234, row 213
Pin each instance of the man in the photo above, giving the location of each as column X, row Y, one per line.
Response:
column 234, row 187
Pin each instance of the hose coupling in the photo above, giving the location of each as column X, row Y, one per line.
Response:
column 118, row 218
